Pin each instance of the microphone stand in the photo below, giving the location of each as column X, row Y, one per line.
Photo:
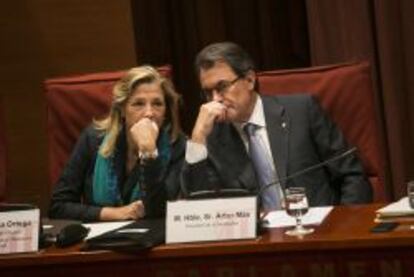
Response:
column 239, row 192
column 307, row 169
column 225, row 193
column 261, row 220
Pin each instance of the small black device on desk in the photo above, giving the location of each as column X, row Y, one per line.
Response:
column 384, row 227
column 62, row 233
column 71, row 234
column 139, row 235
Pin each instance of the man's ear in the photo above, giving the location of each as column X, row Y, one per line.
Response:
column 251, row 78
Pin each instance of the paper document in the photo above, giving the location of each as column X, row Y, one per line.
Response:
column 315, row 216
column 102, row 227
column 399, row 208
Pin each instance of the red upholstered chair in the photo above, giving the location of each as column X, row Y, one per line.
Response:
column 345, row 91
column 72, row 103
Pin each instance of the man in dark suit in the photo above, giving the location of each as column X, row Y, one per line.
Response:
column 292, row 132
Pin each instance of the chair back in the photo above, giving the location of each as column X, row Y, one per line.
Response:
column 345, row 92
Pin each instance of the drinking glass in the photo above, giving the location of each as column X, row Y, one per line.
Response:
column 410, row 193
column 296, row 205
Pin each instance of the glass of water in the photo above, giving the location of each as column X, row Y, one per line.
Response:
column 410, row 193
column 296, row 205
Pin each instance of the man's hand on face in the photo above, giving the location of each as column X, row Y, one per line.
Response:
column 145, row 134
column 209, row 113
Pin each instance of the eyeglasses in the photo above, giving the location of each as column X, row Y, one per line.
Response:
column 221, row 87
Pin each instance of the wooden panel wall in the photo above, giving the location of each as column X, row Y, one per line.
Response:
column 42, row 39
column 47, row 38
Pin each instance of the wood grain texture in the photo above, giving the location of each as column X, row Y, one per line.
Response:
column 46, row 38
column 342, row 242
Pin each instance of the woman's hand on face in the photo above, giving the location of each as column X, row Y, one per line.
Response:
column 134, row 210
column 145, row 133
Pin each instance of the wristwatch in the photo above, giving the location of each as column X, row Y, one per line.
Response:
column 143, row 156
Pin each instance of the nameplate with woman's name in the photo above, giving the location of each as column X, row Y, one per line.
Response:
column 211, row 219
column 19, row 228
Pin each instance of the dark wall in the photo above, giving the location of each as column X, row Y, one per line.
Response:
column 381, row 32
column 47, row 38
column 168, row 31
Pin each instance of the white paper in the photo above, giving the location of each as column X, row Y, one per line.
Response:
column 399, row 208
column 315, row 216
column 102, row 227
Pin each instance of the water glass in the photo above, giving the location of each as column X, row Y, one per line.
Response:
column 296, row 205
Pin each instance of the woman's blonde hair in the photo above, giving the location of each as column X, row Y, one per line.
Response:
column 113, row 123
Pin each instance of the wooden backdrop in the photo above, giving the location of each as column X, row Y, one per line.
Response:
column 42, row 39
column 47, row 38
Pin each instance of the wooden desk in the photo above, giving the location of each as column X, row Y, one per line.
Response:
column 341, row 246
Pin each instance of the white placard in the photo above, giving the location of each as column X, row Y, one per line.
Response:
column 211, row 219
column 19, row 231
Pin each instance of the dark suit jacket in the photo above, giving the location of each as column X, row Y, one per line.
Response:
column 72, row 196
column 300, row 135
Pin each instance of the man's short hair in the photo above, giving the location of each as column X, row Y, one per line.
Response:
column 228, row 52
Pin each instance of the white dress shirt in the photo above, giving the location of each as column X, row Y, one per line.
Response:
column 197, row 152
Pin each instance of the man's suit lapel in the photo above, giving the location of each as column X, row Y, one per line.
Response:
column 278, row 124
column 228, row 148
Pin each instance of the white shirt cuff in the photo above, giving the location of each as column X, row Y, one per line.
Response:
column 195, row 152
column 145, row 156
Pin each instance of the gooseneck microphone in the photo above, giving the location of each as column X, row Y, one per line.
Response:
column 238, row 192
column 308, row 169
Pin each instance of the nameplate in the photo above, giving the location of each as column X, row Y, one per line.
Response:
column 19, row 229
column 211, row 219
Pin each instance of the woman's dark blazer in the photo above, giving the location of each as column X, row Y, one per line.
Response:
column 72, row 195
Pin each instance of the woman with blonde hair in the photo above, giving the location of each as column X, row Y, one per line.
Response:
column 127, row 165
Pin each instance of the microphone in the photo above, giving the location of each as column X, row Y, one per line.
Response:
column 308, row 169
column 239, row 192
column 71, row 234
